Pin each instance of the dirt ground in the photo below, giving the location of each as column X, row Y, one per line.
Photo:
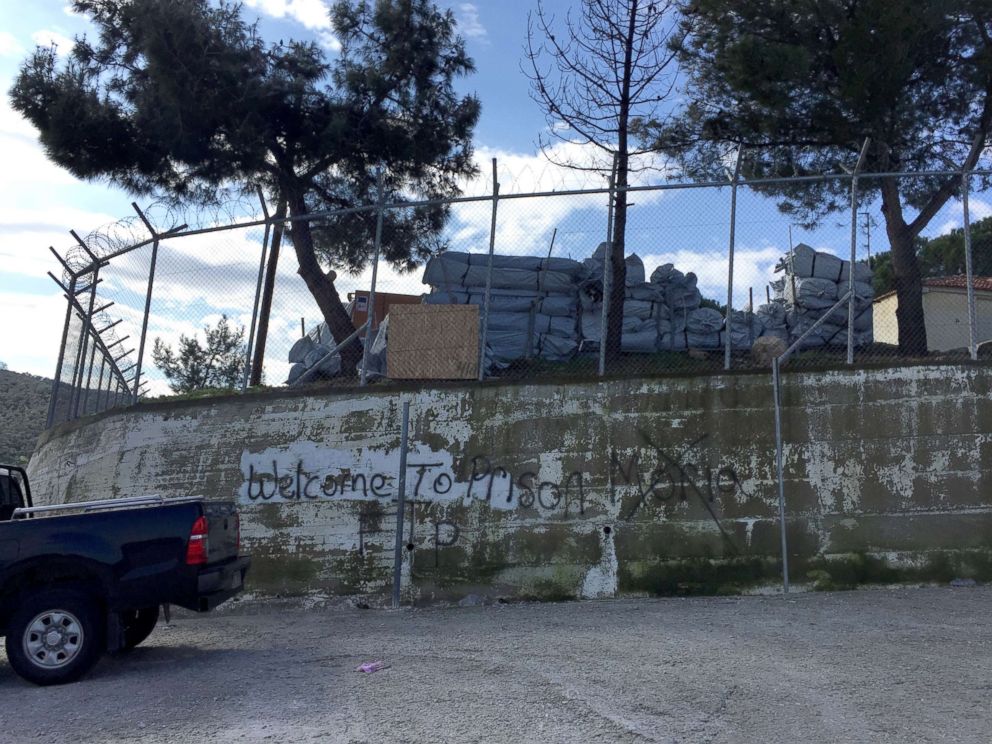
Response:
column 894, row 665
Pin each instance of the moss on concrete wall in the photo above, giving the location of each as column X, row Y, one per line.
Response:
column 658, row 486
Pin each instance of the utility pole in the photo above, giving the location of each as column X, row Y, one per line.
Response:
column 869, row 223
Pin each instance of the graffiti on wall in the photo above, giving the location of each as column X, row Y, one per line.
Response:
column 638, row 481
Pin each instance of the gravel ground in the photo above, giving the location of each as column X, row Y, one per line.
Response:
column 902, row 665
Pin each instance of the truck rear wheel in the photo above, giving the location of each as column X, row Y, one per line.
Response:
column 55, row 636
column 138, row 625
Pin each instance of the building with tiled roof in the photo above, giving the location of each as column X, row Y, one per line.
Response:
column 945, row 309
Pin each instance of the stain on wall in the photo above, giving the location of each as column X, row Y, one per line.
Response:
column 563, row 490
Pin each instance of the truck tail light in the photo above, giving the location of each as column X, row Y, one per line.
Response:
column 196, row 548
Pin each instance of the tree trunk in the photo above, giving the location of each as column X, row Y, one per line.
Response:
column 907, row 277
column 265, row 308
column 909, row 294
column 614, row 318
column 321, row 286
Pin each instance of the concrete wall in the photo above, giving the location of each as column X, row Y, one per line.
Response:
column 580, row 489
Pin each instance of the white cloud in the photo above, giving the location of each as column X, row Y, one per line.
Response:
column 9, row 45
column 753, row 268
column 469, row 23
column 978, row 209
column 30, row 333
column 525, row 225
column 48, row 37
column 314, row 15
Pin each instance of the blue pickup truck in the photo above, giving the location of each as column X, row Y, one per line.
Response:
column 77, row 580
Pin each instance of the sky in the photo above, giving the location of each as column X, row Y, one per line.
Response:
column 199, row 279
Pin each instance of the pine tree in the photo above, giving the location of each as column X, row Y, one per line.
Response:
column 182, row 97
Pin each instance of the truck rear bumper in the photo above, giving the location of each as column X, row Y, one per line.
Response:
column 218, row 584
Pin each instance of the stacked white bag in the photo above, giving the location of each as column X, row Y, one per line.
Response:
column 533, row 307
column 689, row 326
column 645, row 311
column 314, row 350
column 812, row 284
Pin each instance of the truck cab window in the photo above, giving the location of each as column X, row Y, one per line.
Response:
column 10, row 496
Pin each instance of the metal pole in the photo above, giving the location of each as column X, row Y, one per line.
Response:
column 99, row 385
column 776, row 391
column 83, row 341
column 854, row 249
column 57, row 381
column 144, row 320
column 608, row 274
column 489, row 283
column 730, row 264
column 401, row 504
column 254, row 309
column 969, row 278
column 750, row 316
column 89, row 374
column 370, row 326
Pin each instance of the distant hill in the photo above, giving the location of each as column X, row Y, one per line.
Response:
column 23, row 409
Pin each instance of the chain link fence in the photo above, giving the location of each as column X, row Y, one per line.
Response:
column 519, row 286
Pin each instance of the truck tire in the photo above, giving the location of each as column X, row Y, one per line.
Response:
column 138, row 625
column 55, row 636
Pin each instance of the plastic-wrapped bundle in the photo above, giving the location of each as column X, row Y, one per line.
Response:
column 704, row 320
column 672, row 324
column 635, row 270
column 644, row 309
column 806, row 262
column 595, row 268
column 510, row 301
column 644, row 341
column 556, row 348
column 377, row 352
column 744, row 329
column 799, row 322
column 534, row 323
column 453, row 269
column 451, row 260
column 508, row 346
column 772, row 318
column 862, row 316
column 533, row 303
column 680, row 289
column 684, row 298
column 311, row 350
column 812, row 293
column 703, row 340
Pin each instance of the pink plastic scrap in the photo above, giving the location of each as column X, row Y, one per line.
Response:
column 371, row 666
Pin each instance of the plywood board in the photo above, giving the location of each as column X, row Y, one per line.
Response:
column 433, row 342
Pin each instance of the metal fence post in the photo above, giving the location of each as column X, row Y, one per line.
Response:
column 777, row 392
column 604, row 321
column 148, row 299
column 400, row 504
column 84, row 337
column 728, row 323
column 89, row 371
column 370, row 319
column 489, row 283
column 144, row 319
column 969, row 277
column 258, row 291
column 57, row 381
column 99, row 385
column 854, row 248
